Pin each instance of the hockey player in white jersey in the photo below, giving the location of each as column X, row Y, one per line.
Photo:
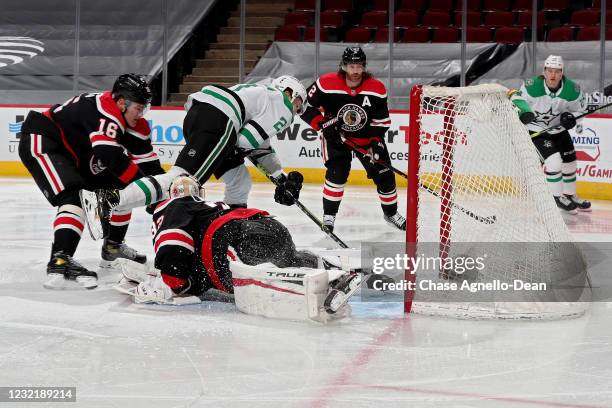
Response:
column 556, row 101
column 222, row 127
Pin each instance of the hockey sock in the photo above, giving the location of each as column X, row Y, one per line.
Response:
column 67, row 229
column 119, row 223
column 388, row 201
column 332, row 197
column 148, row 190
column 569, row 178
column 552, row 169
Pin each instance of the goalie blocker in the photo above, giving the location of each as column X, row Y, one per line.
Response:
column 201, row 245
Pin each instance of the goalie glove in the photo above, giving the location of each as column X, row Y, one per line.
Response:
column 288, row 188
column 153, row 290
column 568, row 120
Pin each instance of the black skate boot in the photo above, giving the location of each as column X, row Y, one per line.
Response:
column 397, row 221
column 565, row 204
column 341, row 292
column 63, row 272
column 111, row 251
column 328, row 221
column 581, row 205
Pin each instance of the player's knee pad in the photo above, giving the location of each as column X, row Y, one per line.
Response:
column 569, row 156
column 68, row 197
column 568, row 168
column 237, row 185
column 337, row 171
column 553, row 163
column 384, row 180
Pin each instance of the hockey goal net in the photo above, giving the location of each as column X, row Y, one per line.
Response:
column 476, row 190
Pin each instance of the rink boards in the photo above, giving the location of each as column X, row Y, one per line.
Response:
column 299, row 147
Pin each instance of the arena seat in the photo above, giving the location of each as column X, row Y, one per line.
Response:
column 563, row 33
column 436, row 19
column 473, row 18
column 510, row 35
column 445, row 35
column 416, row 35
column 358, row 35
column 290, row 32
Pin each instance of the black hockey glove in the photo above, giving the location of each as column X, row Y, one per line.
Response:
column 376, row 151
column 568, row 120
column 527, row 117
column 288, row 188
column 331, row 132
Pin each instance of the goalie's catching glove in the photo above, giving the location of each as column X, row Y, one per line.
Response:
column 288, row 188
column 568, row 120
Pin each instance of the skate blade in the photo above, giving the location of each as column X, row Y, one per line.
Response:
column 585, row 210
column 57, row 281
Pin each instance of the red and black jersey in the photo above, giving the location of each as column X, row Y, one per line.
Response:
column 362, row 112
column 191, row 238
column 94, row 132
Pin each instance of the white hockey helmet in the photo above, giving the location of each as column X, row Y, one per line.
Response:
column 185, row 185
column 554, row 61
column 287, row 82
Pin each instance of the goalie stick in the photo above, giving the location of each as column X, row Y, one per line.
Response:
column 303, row 208
column 485, row 220
column 577, row 117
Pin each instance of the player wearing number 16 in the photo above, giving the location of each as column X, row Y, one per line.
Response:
column 92, row 141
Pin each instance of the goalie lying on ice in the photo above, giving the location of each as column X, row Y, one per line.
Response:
column 201, row 245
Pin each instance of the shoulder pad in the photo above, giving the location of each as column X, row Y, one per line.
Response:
column 142, row 130
column 374, row 86
column 331, row 81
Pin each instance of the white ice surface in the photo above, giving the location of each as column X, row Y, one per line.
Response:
column 119, row 354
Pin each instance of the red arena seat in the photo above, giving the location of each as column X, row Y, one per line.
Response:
column 288, row 33
column 358, row 35
column 416, row 35
column 445, row 35
column 436, row 19
column 558, row 34
column 510, row 35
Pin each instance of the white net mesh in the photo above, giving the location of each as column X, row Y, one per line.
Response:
column 483, row 193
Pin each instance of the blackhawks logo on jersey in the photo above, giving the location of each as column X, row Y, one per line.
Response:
column 353, row 117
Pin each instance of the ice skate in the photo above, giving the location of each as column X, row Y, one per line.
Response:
column 581, row 205
column 111, row 251
column 397, row 221
column 98, row 206
column 341, row 292
column 63, row 272
column 567, row 205
column 328, row 221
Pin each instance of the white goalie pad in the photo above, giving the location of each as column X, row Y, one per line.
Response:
column 284, row 293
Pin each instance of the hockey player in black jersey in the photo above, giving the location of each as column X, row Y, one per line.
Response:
column 94, row 140
column 358, row 103
column 196, row 240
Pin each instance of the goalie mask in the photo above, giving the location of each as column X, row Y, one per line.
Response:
column 184, row 186
column 295, row 89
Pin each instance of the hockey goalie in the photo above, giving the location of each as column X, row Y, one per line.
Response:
column 201, row 245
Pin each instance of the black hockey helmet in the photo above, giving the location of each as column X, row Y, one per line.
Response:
column 353, row 55
column 132, row 87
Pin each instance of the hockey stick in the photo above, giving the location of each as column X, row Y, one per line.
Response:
column 301, row 206
column 485, row 220
column 577, row 117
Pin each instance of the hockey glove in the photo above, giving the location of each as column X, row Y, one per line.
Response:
column 376, row 151
column 568, row 120
column 288, row 188
column 527, row 117
column 330, row 131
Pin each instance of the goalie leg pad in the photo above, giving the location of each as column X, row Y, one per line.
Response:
column 283, row 293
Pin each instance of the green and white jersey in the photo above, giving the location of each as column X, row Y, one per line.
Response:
column 258, row 112
column 548, row 106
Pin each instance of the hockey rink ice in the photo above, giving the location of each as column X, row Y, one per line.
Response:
column 118, row 354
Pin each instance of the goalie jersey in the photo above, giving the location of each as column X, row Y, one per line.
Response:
column 191, row 238
column 258, row 112
column 548, row 106
column 95, row 134
column 362, row 112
